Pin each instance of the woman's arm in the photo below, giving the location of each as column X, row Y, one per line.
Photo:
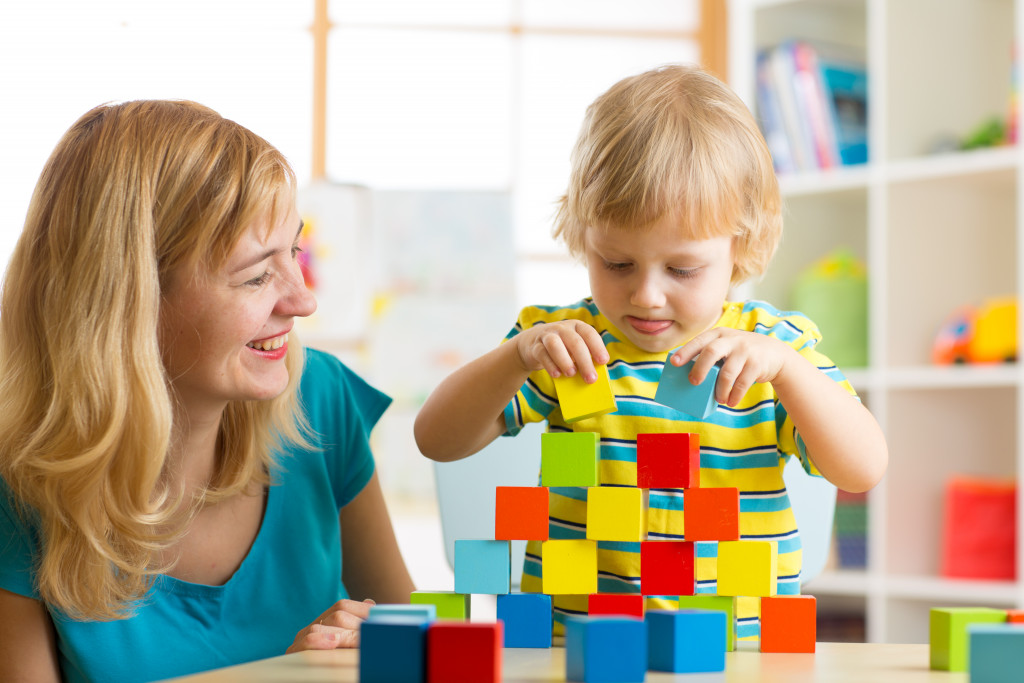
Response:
column 28, row 642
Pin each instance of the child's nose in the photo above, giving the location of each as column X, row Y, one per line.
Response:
column 648, row 293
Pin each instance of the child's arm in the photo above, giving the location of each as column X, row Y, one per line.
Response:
column 466, row 411
column 842, row 437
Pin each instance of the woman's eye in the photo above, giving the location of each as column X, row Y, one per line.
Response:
column 296, row 250
column 259, row 281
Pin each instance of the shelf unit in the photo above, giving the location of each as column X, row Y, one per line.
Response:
column 936, row 231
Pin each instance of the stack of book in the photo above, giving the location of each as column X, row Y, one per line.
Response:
column 813, row 107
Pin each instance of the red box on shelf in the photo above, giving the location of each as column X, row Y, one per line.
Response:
column 980, row 531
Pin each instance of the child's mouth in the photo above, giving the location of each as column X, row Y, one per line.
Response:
column 651, row 327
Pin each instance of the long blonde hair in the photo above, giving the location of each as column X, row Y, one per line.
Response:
column 131, row 192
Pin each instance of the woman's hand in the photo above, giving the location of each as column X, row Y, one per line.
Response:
column 335, row 628
column 562, row 348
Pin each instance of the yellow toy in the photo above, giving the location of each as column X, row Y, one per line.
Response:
column 580, row 400
column 569, row 567
column 749, row 568
column 616, row 514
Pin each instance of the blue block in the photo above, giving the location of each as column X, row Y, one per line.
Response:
column 527, row 618
column 381, row 639
column 426, row 613
column 687, row 641
column 997, row 652
column 675, row 391
column 605, row 650
column 483, row 567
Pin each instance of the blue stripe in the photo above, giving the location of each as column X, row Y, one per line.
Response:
column 618, row 453
column 748, row 628
column 574, row 492
column 744, row 462
column 557, row 533
column 609, row 338
column 645, row 372
column 776, row 504
column 619, row 546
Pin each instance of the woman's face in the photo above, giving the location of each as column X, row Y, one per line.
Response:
column 224, row 334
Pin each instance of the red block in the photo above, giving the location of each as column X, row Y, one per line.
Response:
column 980, row 529
column 521, row 513
column 666, row 568
column 616, row 604
column 711, row 514
column 464, row 652
column 667, row 461
column 788, row 623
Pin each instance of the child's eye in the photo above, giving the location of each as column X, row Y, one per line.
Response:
column 259, row 281
column 616, row 266
column 684, row 272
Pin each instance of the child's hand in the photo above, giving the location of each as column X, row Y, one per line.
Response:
column 562, row 348
column 338, row 627
column 747, row 358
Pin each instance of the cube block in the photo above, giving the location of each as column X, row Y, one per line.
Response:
column 381, row 637
column 521, row 513
column 579, row 400
column 527, row 619
column 748, row 568
column 721, row 603
column 483, row 566
column 711, row 514
column 569, row 567
column 789, row 623
column 947, row 634
column 666, row 568
column 605, row 650
column 569, row 458
column 667, row 461
column 465, row 652
column 616, row 604
column 449, row 604
column 686, row 641
column 996, row 652
column 616, row 513
column 676, row 391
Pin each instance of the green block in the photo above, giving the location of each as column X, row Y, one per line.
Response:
column 569, row 458
column 947, row 634
column 450, row 605
column 719, row 603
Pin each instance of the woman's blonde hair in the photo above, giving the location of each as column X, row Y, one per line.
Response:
column 132, row 192
column 674, row 141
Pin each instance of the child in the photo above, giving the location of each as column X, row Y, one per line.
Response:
column 671, row 201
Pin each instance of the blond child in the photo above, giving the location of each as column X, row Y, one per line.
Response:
column 672, row 201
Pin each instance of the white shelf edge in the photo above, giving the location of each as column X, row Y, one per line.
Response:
column 953, row 164
column 952, row 591
column 826, row 180
column 951, row 377
column 839, row 582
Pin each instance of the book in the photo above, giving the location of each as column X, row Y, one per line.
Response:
column 846, row 85
column 772, row 125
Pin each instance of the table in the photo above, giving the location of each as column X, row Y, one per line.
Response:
column 832, row 663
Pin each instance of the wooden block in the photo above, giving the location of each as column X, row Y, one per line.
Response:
column 569, row 458
column 721, row 603
column 686, row 641
column 449, row 604
column 380, row 638
column 666, row 568
column 483, row 567
column 527, row 618
column 675, row 391
column 569, row 567
column 469, row 653
column 579, row 400
column 789, row 623
column 711, row 514
column 748, row 568
column 616, row 605
column 605, row 650
column 947, row 634
column 521, row 513
column 1015, row 616
column 425, row 613
column 616, row 513
column 668, row 461
column 996, row 652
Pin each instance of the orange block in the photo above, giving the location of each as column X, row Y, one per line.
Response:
column 711, row 514
column 521, row 513
column 1015, row 616
column 789, row 623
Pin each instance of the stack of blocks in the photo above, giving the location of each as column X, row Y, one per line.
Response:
column 619, row 640
column 987, row 642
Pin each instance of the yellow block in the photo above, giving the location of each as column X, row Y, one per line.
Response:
column 749, row 568
column 615, row 513
column 569, row 567
column 579, row 400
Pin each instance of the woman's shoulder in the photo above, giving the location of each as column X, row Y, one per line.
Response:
column 330, row 387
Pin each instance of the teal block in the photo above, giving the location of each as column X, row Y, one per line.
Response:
column 381, row 638
column 569, row 458
column 675, row 391
column 483, row 567
column 997, row 652
column 686, row 641
column 427, row 613
column 605, row 650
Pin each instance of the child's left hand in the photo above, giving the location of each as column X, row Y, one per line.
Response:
column 747, row 358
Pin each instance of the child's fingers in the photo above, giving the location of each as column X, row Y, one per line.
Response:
column 595, row 344
column 555, row 357
column 581, row 353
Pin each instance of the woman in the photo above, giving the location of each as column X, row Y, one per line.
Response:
column 179, row 480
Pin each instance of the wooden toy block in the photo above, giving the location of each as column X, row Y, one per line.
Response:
column 381, row 638
column 666, row 568
column 686, row 641
column 521, row 513
column 675, row 391
column 605, row 649
column 483, row 567
column 667, row 461
column 1015, row 616
column 569, row 567
column 789, row 623
column 615, row 605
column 527, row 618
column 711, row 514
column 425, row 613
column 616, row 513
column 569, row 458
column 721, row 603
column 579, row 400
column 449, row 604
column 464, row 653
column 748, row 568
column 996, row 652
column 947, row 634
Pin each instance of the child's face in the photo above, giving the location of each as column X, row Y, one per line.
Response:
column 657, row 287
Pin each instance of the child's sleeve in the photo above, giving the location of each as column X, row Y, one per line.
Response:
column 536, row 398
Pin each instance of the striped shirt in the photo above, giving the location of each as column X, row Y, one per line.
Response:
column 745, row 447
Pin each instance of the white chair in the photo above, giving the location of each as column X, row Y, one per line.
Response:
column 465, row 491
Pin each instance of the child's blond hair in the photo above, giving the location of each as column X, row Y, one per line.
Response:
column 674, row 141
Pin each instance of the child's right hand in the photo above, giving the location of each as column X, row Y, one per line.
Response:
column 562, row 348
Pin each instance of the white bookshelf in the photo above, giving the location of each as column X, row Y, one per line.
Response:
column 936, row 231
